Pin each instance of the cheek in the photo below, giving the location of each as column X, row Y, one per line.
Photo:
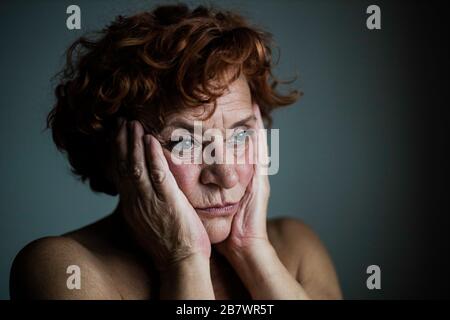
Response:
column 186, row 175
column 246, row 170
column 245, row 174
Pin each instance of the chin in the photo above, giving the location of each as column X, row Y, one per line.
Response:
column 218, row 228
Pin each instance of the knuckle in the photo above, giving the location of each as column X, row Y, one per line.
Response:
column 136, row 171
column 137, row 145
column 158, row 175
column 133, row 171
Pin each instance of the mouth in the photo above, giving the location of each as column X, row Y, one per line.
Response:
column 220, row 210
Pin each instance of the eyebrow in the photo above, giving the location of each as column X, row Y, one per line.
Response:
column 190, row 126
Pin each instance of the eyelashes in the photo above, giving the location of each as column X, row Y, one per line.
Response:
column 240, row 137
column 171, row 144
column 188, row 143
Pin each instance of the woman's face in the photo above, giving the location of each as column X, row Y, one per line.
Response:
column 214, row 188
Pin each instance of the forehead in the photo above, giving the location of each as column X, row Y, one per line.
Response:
column 235, row 104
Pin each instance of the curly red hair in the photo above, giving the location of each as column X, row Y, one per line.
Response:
column 148, row 66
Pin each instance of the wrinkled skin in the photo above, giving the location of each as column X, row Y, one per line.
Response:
column 160, row 198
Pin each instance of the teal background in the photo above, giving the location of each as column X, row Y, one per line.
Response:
column 352, row 149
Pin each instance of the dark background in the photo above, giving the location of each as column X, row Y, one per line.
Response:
column 362, row 153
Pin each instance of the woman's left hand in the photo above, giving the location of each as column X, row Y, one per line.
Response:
column 247, row 247
column 248, row 230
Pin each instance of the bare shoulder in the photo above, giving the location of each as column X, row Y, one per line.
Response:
column 304, row 255
column 40, row 271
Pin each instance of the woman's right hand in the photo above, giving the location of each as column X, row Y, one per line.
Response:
column 163, row 221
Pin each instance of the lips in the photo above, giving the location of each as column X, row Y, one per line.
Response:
column 219, row 210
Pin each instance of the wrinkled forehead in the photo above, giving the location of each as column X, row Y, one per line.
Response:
column 234, row 105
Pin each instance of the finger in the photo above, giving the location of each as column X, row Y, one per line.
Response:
column 121, row 148
column 161, row 177
column 136, row 161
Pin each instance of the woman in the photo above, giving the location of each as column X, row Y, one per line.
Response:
column 128, row 106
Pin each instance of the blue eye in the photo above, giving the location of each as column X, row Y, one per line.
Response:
column 186, row 143
column 181, row 144
column 241, row 136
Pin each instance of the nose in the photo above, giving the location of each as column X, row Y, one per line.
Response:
column 222, row 175
column 218, row 170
